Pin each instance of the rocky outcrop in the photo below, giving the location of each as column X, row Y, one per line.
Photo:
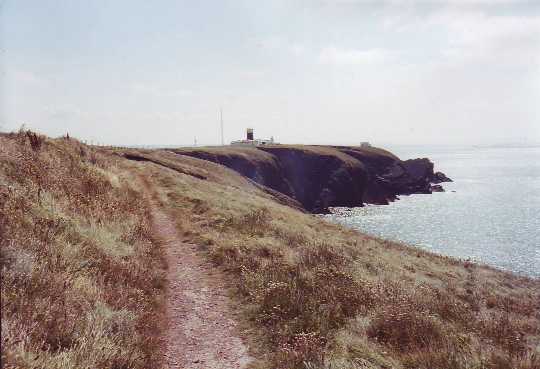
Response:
column 437, row 188
column 439, row 177
column 319, row 177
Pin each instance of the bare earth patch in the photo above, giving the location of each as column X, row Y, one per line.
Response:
column 201, row 331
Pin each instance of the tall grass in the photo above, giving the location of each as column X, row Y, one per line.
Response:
column 82, row 281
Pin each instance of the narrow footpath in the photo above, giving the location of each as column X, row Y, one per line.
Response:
column 201, row 332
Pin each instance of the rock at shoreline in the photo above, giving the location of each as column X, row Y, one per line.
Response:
column 437, row 188
column 439, row 177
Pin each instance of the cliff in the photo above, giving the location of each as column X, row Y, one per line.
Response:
column 320, row 177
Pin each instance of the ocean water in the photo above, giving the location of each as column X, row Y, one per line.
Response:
column 490, row 213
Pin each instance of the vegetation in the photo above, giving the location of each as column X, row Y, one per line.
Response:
column 321, row 296
column 82, row 281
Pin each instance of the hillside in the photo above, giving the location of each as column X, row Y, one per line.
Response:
column 306, row 293
column 320, row 177
column 316, row 293
column 83, row 281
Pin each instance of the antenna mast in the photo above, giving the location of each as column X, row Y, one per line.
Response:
column 221, row 120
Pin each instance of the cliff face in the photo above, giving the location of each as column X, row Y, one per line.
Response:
column 324, row 176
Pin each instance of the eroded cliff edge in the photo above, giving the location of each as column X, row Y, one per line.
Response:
column 320, row 177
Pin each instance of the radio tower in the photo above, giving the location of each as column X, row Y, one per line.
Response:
column 221, row 121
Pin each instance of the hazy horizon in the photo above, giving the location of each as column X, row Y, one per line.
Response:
column 323, row 71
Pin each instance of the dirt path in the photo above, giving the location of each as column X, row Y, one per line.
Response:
column 201, row 331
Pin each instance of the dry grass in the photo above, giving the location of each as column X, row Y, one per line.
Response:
column 82, row 282
column 321, row 296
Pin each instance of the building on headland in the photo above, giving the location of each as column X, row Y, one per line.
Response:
column 365, row 144
column 252, row 141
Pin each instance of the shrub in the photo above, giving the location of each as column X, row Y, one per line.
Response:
column 506, row 332
column 254, row 222
column 404, row 329
column 36, row 140
column 501, row 361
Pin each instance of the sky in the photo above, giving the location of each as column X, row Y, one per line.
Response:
column 133, row 72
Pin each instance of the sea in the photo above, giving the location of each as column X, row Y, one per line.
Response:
column 489, row 214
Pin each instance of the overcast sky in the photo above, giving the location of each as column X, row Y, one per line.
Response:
column 311, row 71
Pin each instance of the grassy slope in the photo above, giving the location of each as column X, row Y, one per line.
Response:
column 248, row 153
column 82, row 281
column 255, row 154
column 319, row 295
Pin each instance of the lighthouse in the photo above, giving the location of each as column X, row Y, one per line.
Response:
column 251, row 141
